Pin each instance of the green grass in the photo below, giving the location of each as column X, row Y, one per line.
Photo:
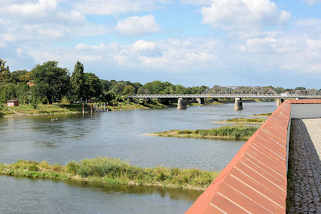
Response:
column 106, row 171
column 262, row 115
column 245, row 120
column 224, row 133
column 133, row 106
column 41, row 109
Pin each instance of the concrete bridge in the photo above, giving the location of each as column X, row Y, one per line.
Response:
column 238, row 98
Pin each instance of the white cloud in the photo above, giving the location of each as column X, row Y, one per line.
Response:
column 43, row 20
column 197, row 2
column 142, row 45
column 136, row 25
column 271, row 45
column 284, row 52
column 109, row 7
column 243, row 14
column 312, row 2
column 168, row 55
column 31, row 8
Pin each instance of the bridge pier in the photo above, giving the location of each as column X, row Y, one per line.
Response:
column 181, row 104
column 200, row 100
column 238, row 106
column 279, row 101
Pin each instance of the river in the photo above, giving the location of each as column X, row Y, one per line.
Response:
column 118, row 135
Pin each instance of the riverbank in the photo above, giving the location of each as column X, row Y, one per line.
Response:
column 28, row 110
column 223, row 133
column 61, row 109
column 107, row 172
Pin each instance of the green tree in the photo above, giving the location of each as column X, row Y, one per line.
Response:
column 78, row 82
column 20, row 76
column 51, row 82
column 129, row 90
column 4, row 72
column 7, row 92
column 93, row 86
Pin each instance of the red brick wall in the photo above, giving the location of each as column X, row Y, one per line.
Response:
column 255, row 181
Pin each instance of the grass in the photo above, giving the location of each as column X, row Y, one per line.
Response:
column 44, row 109
column 41, row 109
column 107, row 171
column 133, row 106
column 245, row 120
column 223, row 133
column 262, row 115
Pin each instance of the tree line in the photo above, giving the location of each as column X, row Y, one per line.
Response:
column 48, row 83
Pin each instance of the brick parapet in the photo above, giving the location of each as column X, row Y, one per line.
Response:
column 255, row 181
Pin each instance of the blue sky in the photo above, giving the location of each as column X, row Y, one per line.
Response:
column 189, row 42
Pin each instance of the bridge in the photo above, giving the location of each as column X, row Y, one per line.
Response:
column 254, row 96
column 238, row 98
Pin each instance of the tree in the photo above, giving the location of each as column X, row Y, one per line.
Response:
column 93, row 87
column 78, row 82
column 7, row 92
column 129, row 90
column 51, row 82
column 20, row 76
column 4, row 72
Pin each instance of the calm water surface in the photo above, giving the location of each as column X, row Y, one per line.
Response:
column 113, row 134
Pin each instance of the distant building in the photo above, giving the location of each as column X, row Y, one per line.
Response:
column 12, row 103
column 30, row 84
column 301, row 92
column 285, row 94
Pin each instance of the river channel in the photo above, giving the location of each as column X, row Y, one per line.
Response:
column 118, row 135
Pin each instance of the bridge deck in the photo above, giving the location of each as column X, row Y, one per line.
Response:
column 172, row 96
column 304, row 187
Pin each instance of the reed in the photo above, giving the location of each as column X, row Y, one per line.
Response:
column 107, row 171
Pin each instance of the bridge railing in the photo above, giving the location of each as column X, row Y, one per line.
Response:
column 155, row 96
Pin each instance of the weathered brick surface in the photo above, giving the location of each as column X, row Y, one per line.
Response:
column 255, row 181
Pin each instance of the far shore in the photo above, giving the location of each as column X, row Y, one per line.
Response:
column 68, row 109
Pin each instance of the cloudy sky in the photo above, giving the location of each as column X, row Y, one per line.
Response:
column 191, row 42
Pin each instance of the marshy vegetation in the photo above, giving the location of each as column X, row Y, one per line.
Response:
column 223, row 133
column 41, row 109
column 262, row 115
column 107, row 171
column 244, row 120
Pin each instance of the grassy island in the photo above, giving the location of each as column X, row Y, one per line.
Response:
column 262, row 115
column 244, row 121
column 106, row 172
column 134, row 106
column 222, row 133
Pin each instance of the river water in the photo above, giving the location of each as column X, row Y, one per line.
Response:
column 118, row 135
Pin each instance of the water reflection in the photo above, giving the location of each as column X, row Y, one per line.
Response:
column 173, row 194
